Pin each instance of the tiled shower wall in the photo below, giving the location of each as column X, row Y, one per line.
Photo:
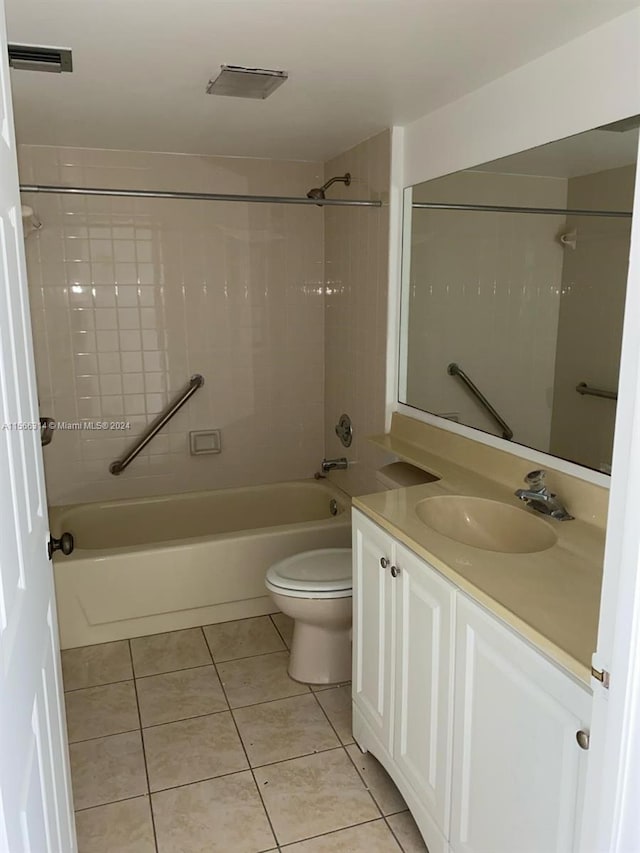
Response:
column 356, row 276
column 594, row 285
column 485, row 293
column 130, row 297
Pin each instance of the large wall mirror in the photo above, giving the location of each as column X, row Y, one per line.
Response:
column 514, row 281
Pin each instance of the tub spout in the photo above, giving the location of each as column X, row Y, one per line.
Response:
column 334, row 464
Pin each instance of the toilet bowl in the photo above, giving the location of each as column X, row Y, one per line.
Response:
column 314, row 588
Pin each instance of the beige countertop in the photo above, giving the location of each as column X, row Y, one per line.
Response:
column 551, row 597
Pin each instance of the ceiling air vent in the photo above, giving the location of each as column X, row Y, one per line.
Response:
column 29, row 57
column 235, row 81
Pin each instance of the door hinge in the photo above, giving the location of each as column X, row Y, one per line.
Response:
column 601, row 675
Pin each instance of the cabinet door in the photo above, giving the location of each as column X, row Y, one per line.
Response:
column 372, row 626
column 424, row 682
column 518, row 769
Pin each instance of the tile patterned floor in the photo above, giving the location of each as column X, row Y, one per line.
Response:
column 197, row 741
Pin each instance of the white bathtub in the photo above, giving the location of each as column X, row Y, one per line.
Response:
column 149, row 565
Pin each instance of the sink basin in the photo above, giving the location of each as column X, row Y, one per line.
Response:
column 487, row 524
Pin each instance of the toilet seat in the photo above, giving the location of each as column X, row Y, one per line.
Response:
column 323, row 573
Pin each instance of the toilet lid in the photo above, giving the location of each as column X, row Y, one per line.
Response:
column 324, row 570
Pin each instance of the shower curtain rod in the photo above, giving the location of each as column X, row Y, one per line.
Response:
column 433, row 205
column 263, row 199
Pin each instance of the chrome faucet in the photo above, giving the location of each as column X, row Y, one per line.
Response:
column 539, row 498
column 334, row 464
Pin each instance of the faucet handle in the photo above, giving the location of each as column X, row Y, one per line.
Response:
column 535, row 479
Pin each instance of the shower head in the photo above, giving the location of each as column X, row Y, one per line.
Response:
column 319, row 192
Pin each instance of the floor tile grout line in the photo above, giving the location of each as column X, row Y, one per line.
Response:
column 364, row 781
column 200, row 781
column 112, row 802
column 175, row 631
column 173, row 671
column 243, row 708
column 281, row 635
column 307, row 688
column 244, row 657
column 202, row 665
column 95, row 686
column 286, row 650
column 186, row 719
column 295, row 757
column 248, row 657
column 393, row 833
column 102, row 737
column 344, row 746
column 338, row 746
column 170, row 671
column 246, row 755
column 240, row 707
column 144, row 756
column 332, row 832
column 322, row 708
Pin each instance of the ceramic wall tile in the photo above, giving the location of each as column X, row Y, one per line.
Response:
column 486, row 277
column 594, row 285
column 132, row 296
column 356, row 289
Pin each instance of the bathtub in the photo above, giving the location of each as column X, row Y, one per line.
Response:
column 148, row 565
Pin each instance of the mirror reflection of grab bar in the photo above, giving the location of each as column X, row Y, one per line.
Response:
column 47, row 425
column 118, row 465
column 455, row 370
column 583, row 388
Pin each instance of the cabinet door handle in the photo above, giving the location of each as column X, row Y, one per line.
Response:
column 384, row 563
column 583, row 739
column 395, row 571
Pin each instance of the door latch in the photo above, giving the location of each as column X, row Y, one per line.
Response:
column 602, row 676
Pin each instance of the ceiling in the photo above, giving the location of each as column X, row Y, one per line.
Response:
column 355, row 67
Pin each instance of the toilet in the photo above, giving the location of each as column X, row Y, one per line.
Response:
column 314, row 588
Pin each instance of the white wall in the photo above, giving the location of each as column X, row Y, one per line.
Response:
column 590, row 81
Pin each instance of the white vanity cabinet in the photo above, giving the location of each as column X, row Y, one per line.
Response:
column 518, row 769
column 403, row 646
column 477, row 728
column 373, row 628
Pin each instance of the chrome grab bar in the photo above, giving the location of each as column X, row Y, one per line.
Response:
column 118, row 465
column 455, row 370
column 583, row 388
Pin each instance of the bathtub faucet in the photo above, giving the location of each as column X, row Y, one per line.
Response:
column 334, row 464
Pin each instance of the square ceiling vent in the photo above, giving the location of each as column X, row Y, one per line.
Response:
column 234, row 81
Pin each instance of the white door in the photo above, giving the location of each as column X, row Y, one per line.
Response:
column 373, row 552
column 36, row 813
column 518, row 769
column 612, row 819
column 424, row 675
